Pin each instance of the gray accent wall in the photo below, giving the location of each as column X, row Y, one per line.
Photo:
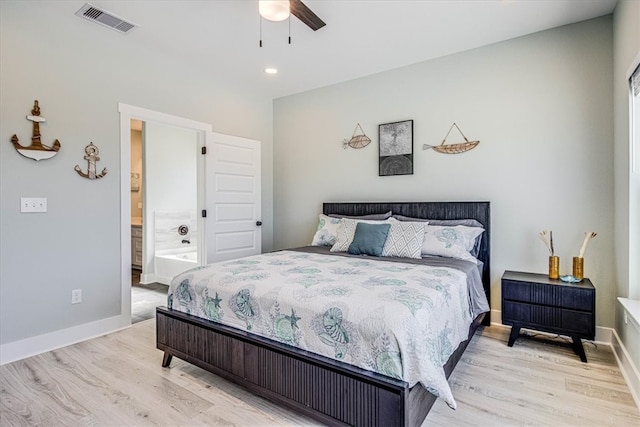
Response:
column 79, row 83
column 542, row 108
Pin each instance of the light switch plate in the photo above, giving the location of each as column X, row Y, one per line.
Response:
column 76, row 296
column 33, row 204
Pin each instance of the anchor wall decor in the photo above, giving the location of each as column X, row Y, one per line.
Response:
column 91, row 157
column 37, row 150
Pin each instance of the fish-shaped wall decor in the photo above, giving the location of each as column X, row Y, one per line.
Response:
column 452, row 148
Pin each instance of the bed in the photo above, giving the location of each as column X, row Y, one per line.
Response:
column 324, row 388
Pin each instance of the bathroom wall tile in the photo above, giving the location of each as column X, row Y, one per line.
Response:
column 166, row 224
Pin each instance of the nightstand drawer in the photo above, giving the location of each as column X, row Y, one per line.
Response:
column 516, row 291
column 544, row 294
column 579, row 322
column 578, row 298
column 552, row 319
column 515, row 312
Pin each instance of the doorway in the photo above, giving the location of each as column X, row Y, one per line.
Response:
column 164, row 201
column 232, row 198
column 149, row 142
column 144, row 297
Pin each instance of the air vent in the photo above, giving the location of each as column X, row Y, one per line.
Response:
column 105, row 19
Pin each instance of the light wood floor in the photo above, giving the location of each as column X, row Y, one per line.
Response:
column 116, row 380
column 145, row 298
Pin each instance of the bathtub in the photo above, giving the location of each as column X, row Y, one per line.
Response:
column 169, row 265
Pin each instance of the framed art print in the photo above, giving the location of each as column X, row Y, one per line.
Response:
column 396, row 148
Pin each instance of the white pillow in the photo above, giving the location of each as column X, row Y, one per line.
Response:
column 346, row 231
column 405, row 239
column 453, row 242
column 326, row 232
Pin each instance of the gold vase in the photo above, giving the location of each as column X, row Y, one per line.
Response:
column 578, row 268
column 554, row 267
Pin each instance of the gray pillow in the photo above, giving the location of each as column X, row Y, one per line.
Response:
column 449, row 223
column 382, row 216
column 446, row 222
column 369, row 239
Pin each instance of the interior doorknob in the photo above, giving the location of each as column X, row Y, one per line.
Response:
column 258, row 223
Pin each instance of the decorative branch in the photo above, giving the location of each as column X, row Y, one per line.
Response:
column 547, row 242
column 587, row 236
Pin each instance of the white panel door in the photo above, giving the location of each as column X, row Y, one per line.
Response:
column 232, row 192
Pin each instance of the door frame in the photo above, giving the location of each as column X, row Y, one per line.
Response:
column 127, row 113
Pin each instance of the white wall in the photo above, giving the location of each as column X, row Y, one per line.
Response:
column 541, row 105
column 170, row 171
column 626, row 51
column 79, row 73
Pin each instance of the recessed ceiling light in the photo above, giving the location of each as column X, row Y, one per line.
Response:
column 271, row 70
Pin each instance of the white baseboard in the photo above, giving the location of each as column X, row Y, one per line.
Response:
column 627, row 367
column 147, row 278
column 32, row 346
column 603, row 335
column 496, row 317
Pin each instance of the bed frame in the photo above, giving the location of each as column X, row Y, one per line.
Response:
column 324, row 389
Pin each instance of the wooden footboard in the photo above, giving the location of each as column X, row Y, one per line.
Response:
column 329, row 391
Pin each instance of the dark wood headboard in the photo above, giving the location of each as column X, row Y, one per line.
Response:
column 480, row 211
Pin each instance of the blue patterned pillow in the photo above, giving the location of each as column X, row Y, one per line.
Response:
column 369, row 239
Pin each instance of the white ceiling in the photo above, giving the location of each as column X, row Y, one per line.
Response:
column 361, row 37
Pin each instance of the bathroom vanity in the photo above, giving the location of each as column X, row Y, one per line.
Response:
column 136, row 244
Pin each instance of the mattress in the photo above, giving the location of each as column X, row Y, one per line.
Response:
column 398, row 317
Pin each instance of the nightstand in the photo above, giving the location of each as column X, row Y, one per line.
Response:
column 534, row 301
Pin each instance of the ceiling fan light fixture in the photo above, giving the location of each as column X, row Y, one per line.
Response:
column 274, row 10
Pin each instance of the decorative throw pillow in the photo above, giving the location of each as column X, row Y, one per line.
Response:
column 450, row 223
column 346, row 231
column 453, row 242
column 369, row 239
column 404, row 239
column 326, row 233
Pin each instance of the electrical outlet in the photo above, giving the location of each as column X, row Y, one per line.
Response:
column 33, row 204
column 76, row 296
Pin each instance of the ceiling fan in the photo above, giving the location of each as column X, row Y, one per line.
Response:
column 275, row 10
column 306, row 15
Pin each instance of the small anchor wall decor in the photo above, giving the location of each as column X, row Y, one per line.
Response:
column 37, row 150
column 91, row 157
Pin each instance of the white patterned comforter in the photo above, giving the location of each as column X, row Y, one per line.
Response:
column 398, row 319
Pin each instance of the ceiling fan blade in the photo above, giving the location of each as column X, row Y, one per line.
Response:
column 306, row 15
